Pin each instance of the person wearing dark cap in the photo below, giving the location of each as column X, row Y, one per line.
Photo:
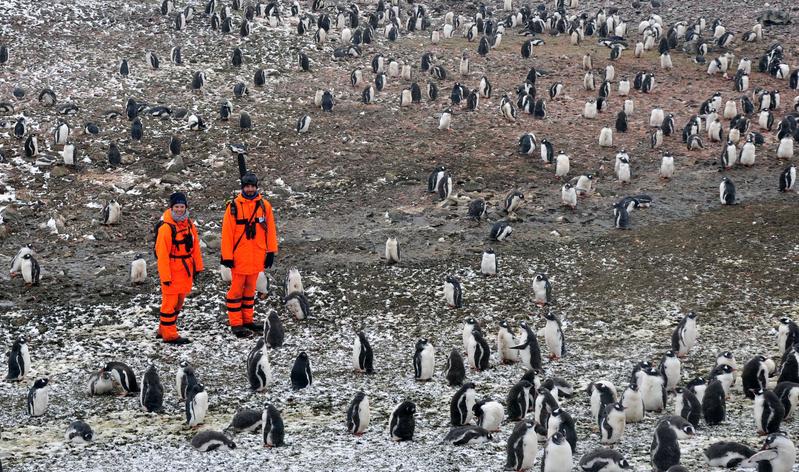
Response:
column 249, row 243
column 177, row 248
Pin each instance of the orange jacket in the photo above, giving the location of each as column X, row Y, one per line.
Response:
column 248, row 251
column 176, row 263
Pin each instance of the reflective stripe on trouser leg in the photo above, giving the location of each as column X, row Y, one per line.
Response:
column 248, row 299
column 169, row 316
column 233, row 300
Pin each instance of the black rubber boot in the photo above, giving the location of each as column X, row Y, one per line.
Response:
column 179, row 340
column 240, row 331
column 255, row 328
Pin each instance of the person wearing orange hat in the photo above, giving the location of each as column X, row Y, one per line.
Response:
column 249, row 243
column 177, row 248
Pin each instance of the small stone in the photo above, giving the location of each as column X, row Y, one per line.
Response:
column 59, row 171
column 175, row 165
column 170, row 178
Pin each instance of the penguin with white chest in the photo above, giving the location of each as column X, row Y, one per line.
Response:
column 778, row 454
column 196, row 405
column 138, row 271
column 184, row 377
column 684, row 335
column 489, row 414
column 611, row 423
column 633, row 404
column 424, row 360
column 727, row 454
column 519, row 400
column 529, row 350
column 123, row 375
column 687, row 406
column 210, row 440
column 553, row 336
column 78, row 432
column 488, row 264
column 560, row 421
column 461, row 405
column 754, row 376
column 101, row 383
column 522, row 447
column 358, row 414
column 362, row 355
column 31, row 272
column 505, row 344
column 111, row 212
column 670, row 370
column 602, row 393
column 557, row 455
column 653, row 390
column 604, row 460
column 259, row 370
column 392, row 251
column 38, row 397
column 788, row 393
column 19, row 361
column 453, row 293
column 478, row 351
column 542, row 290
column 768, row 412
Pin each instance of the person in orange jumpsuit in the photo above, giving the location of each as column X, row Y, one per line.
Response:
column 177, row 248
column 249, row 243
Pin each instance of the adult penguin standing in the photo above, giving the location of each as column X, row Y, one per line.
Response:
column 177, row 248
column 249, row 244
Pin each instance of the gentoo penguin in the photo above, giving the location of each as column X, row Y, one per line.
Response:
column 297, row 305
column 392, row 251
column 301, row 375
column 401, row 423
column 259, row 370
column 553, row 336
column 768, row 412
column 469, row 325
column 714, row 405
column 136, row 130
column 327, row 101
column 519, row 400
column 623, row 171
column 665, row 450
column 151, row 397
column 557, row 455
column 273, row 432
column 209, row 440
column 568, row 195
column 506, row 343
column 542, row 290
column 488, row 264
column 507, row 109
column 729, row 155
column 590, row 109
column 453, row 293
column 788, row 393
column 101, row 383
column 362, row 355
column 621, row 122
column 31, row 272
column 602, row 393
column 303, row 124
column 247, row 420
column 460, row 407
column 38, row 397
column 684, row 335
column 529, row 350
column 527, row 144
column 561, row 165
column 667, row 166
column 485, row 87
column 123, row 375
column 785, row 148
column 245, row 122
column 19, row 360
column 31, row 146
column 111, row 212
column 653, row 390
column 424, row 360
column 788, row 179
column 489, row 414
column 754, row 376
column 462, row 435
column 477, row 209
column 670, row 370
column 656, row 117
column 778, row 454
column 196, row 404
column 78, row 432
column 698, row 386
column 727, row 454
column 687, row 406
column 358, row 414
column 633, row 404
column 500, row 231
column 547, row 152
column 611, row 423
column 445, row 121
column 560, row 421
column 61, row 133
column 606, row 137
column 545, row 404
column 478, row 351
column 724, row 374
column 522, row 446
column 604, row 460
column 584, row 185
column 455, row 370
column 176, row 56
column 184, row 377
column 513, row 200
column 124, row 69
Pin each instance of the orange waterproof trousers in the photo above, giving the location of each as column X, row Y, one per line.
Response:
column 241, row 299
column 171, row 304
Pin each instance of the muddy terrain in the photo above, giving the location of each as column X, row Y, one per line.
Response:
column 358, row 176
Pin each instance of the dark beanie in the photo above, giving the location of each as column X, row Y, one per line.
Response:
column 178, row 198
column 249, row 179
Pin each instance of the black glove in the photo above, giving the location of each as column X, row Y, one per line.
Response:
column 227, row 263
column 270, row 259
column 167, row 283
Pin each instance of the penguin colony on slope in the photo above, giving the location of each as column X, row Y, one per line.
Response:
column 532, row 395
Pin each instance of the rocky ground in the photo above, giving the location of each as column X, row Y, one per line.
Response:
column 358, row 176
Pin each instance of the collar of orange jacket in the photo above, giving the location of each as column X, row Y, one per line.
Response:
column 167, row 217
column 241, row 198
